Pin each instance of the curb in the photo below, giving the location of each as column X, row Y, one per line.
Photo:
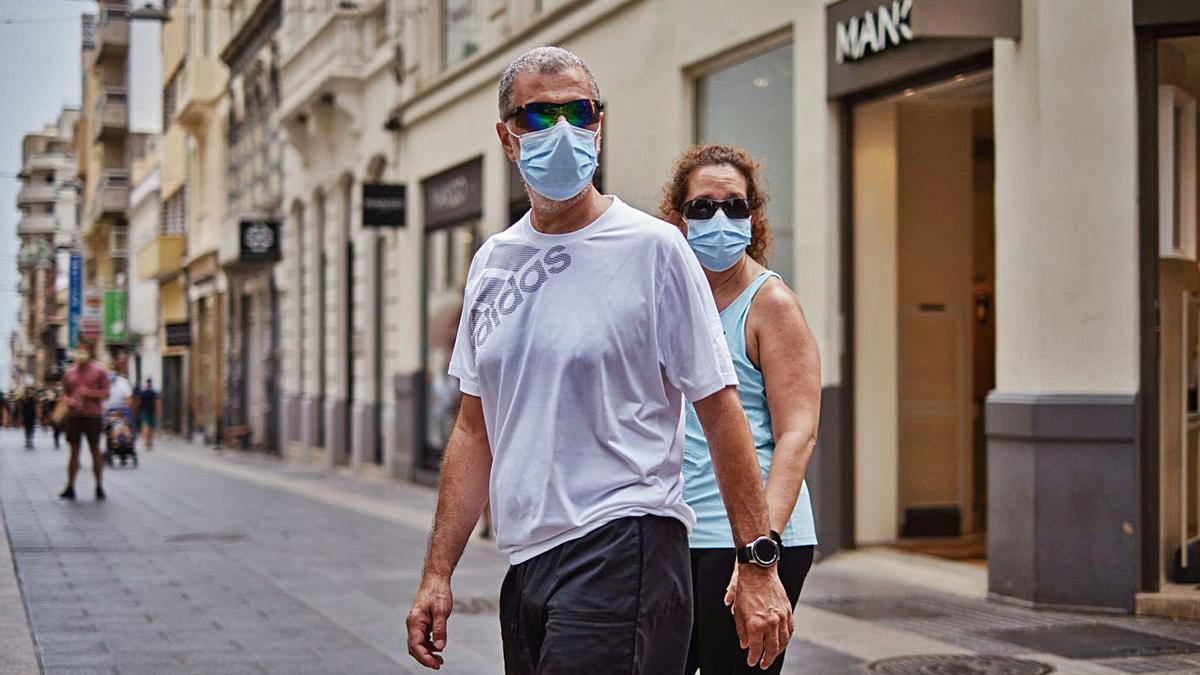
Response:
column 17, row 653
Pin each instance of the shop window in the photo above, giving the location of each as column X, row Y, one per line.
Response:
column 749, row 105
column 1176, row 173
column 460, row 31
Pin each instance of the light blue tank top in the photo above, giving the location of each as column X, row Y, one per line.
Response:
column 699, row 481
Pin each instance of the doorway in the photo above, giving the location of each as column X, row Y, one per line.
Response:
column 1178, row 90
column 924, row 336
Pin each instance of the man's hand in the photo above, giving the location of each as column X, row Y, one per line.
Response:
column 427, row 621
column 762, row 614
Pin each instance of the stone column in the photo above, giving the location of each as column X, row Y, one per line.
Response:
column 1062, row 479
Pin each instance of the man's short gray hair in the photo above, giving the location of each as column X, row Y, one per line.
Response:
column 544, row 60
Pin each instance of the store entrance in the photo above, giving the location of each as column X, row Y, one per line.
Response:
column 924, row 345
column 1178, row 301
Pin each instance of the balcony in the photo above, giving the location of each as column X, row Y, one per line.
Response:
column 201, row 85
column 112, row 35
column 162, row 257
column 37, row 193
column 46, row 161
column 328, row 66
column 37, row 223
column 110, row 117
column 112, row 195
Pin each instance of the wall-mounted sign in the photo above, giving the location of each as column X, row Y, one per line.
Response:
column 873, row 31
column 178, row 334
column 260, row 240
column 874, row 45
column 74, row 298
column 453, row 196
column 91, row 322
column 114, row 317
column 384, row 205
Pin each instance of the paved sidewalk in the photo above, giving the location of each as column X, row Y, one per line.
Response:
column 214, row 563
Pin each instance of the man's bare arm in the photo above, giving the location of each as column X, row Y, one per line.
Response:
column 462, row 494
column 462, row 489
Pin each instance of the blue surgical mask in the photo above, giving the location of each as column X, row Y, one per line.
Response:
column 558, row 163
column 718, row 242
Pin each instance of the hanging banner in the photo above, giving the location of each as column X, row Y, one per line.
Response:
column 114, row 317
column 91, row 322
column 74, row 298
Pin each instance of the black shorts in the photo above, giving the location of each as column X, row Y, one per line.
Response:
column 82, row 425
column 616, row 601
column 715, row 647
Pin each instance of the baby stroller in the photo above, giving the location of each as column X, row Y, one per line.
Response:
column 119, row 436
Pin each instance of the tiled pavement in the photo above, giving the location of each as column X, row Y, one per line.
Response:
column 235, row 563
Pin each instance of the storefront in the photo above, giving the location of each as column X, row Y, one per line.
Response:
column 1168, row 85
column 452, row 206
column 996, row 389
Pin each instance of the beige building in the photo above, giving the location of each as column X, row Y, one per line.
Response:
column 47, row 201
column 104, row 162
column 338, row 78
column 989, row 218
column 184, row 258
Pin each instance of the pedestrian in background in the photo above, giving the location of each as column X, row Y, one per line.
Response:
column 715, row 199
column 27, row 410
column 5, row 406
column 147, row 402
column 584, row 325
column 85, row 385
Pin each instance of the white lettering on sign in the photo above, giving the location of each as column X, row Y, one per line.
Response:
column 878, row 30
column 451, row 195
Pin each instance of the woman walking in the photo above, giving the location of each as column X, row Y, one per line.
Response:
column 715, row 198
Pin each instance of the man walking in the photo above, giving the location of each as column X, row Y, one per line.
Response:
column 85, row 385
column 27, row 408
column 147, row 400
column 583, row 326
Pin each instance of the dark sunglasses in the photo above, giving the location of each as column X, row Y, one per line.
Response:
column 537, row 116
column 703, row 209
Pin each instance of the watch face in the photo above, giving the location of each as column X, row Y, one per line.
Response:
column 765, row 550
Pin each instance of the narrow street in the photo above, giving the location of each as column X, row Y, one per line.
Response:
column 233, row 563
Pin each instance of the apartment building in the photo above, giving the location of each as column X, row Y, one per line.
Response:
column 104, row 164
column 47, row 201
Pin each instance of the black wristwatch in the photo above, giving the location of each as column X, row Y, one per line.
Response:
column 764, row 551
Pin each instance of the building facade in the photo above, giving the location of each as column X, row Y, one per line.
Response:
column 47, row 201
column 969, row 207
column 250, row 235
column 339, row 77
column 144, row 213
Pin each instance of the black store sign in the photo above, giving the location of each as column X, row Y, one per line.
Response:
column 453, row 196
column 875, row 43
column 179, row 334
column 384, row 205
column 260, row 241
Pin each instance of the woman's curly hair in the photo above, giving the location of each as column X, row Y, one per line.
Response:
column 714, row 155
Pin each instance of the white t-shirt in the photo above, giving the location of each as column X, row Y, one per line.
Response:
column 581, row 347
column 119, row 391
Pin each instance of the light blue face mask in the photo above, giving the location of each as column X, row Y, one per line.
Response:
column 719, row 242
column 559, row 162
